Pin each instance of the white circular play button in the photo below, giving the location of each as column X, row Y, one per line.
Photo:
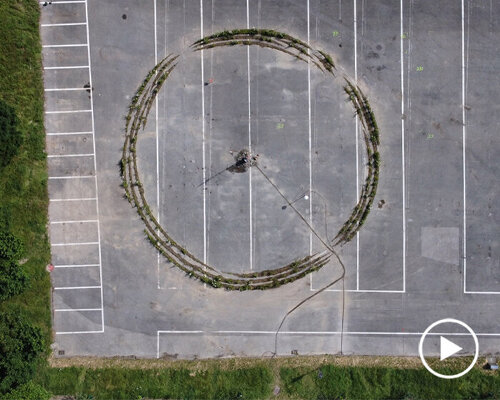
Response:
column 447, row 347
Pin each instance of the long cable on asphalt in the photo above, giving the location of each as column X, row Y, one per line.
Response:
column 329, row 248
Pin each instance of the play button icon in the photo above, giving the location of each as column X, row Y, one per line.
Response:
column 447, row 348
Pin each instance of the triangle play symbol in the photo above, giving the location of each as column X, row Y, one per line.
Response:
column 448, row 348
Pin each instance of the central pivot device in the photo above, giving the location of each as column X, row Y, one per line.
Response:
column 243, row 161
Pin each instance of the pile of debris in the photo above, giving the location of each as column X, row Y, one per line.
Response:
column 243, row 161
column 491, row 363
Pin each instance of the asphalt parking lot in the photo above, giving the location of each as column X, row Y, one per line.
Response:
column 429, row 249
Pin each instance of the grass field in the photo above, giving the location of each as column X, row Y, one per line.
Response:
column 122, row 383
column 23, row 183
column 255, row 379
column 336, row 382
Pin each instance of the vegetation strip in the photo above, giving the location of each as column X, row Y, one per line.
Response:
column 371, row 138
column 301, row 377
column 25, row 319
column 336, row 382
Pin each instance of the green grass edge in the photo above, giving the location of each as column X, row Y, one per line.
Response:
column 165, row 383
column 257, row 380
column 361, row 382
column 23, row 183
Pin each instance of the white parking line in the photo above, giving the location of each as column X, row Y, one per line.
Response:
column 83, row 221
column 69, row 155
column 77, row 287
column 48, row 46
column 76, row 309
column 319, row 333
column 74, row 244
column 361, row 290
column 95, row 165
column 72, row 177
column 67, row 133
column 65, row 89
column 64, row 2
column 355, row 27
column 203, row 142
column 250, row 216
column 78, row 332
column 403, row 178
column 68, row 111
column 475, row 292
column 65, row 24
column 76, row 266
column 309, row 130
column 157, row 147
column 69, row 67
column 77, row 199
column 464, row 242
